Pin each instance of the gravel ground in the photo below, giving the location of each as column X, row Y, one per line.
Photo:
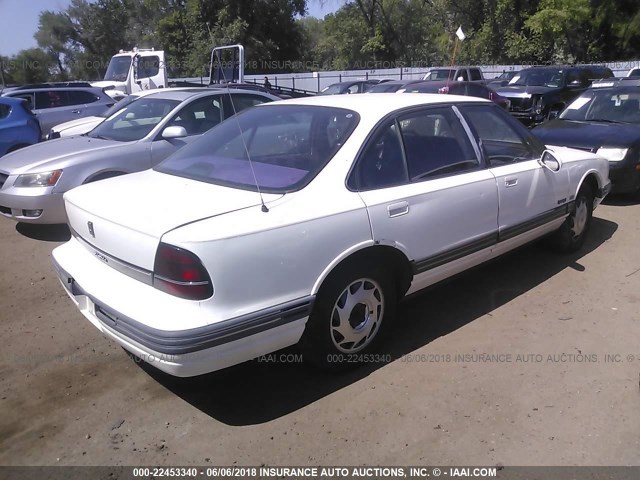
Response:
column 532, row 359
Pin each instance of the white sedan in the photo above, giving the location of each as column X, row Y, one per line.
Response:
column 305, row 221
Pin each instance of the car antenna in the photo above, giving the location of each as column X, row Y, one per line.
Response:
column 264, row 207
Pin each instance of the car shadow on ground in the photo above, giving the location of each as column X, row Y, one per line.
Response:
column 46, row 233
column 262, row 390
column 622, row 200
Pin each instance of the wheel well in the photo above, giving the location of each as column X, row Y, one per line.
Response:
column 592, row 181
column 103, row 176
column 391, row 258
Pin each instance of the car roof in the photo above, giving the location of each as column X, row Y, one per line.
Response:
column 400, row 82
column 564, row 67
column 378, row 104
column 628, row 83
column 352, row 82
column 22, row 91
column 181, row 95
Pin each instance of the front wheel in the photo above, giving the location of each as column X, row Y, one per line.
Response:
column 353, row 312
column 571, row 235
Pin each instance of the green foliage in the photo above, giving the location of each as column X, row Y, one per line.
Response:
column 78, row 42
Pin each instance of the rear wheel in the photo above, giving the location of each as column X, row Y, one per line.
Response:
column 353, row 312
column 571, row 235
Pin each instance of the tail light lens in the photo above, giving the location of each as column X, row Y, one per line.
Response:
column 179, row 272
column 492, row 97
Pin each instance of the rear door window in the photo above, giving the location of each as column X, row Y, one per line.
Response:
column 81, row 97
column 436, row 144
column 475, row 74
column 52, row 99
column 382, row 164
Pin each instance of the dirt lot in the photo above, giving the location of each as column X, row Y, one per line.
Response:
column 531, row 360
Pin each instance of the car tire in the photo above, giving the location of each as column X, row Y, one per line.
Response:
column 571, row 235
column 352, row 315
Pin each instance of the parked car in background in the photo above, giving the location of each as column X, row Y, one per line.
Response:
column 392, row 86
column 469, row 89
column 84, row 125
column 541, row 93
column 55, row 105
column 605, row 120
column 136, row 138
column 355, row 86
column 18, row 125
column 327, row 210
column 634, row 72
column 503, row 79
column 464, row 74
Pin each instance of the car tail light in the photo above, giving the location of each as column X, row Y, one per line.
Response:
column 179, row 272
column 492, row 97
column 443, row 90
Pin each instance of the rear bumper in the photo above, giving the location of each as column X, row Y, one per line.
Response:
column 188, row 352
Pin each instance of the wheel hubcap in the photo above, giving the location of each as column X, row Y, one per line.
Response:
column 356, row 315
column 580, row 218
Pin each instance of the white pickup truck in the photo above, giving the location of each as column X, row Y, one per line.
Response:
column 134, row 71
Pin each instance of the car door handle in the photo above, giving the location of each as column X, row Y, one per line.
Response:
column 397, row 209
column 511, row 182
column 76, row 111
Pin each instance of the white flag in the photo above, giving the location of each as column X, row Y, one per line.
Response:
column 460, row 33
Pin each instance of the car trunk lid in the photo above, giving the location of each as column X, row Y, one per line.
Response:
column 125, row 217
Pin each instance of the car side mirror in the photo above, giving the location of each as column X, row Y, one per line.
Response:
column 174, row 132
column 549, row 161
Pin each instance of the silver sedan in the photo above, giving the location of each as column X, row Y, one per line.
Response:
column 33, row 180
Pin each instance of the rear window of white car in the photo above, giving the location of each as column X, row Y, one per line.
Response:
column 279, row 148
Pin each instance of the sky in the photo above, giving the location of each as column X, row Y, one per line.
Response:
column 19, row 20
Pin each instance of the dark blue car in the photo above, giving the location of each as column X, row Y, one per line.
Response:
column 18, row 125
column 605, row 120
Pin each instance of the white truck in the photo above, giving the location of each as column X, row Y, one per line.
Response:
column 134, row 71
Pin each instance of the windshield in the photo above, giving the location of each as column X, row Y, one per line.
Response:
column 539, row 78
column 118, row 106
column 287, row 144
column 440, row 74
column 605, row 105
column 135, row 120
column 118, row 69
column 332, row 89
